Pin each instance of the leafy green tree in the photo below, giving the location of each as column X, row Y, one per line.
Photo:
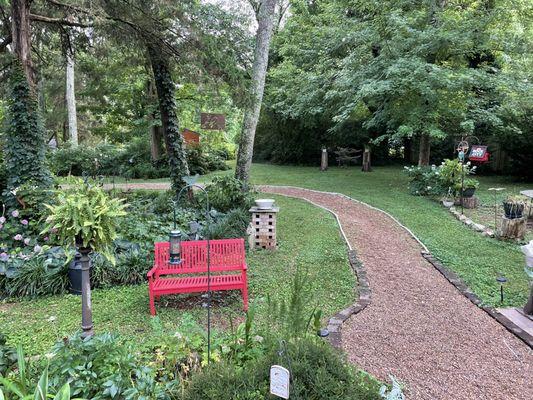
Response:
column 432, row 70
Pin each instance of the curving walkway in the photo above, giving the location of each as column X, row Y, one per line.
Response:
column 418, row 327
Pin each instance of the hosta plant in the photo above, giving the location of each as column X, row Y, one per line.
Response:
column 84, row 215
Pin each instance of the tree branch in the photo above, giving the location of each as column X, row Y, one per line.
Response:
column 59, row 21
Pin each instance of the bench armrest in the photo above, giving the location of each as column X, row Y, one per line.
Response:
column 151, row 273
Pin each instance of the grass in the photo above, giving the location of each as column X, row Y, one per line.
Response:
column 308, row 239
column 478, row 260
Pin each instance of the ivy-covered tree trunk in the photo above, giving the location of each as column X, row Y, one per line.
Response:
column 252, row 110
column 169, row 119
column 21, row 34
column 25, row 139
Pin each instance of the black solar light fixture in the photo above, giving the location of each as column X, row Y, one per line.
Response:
column 501, row 280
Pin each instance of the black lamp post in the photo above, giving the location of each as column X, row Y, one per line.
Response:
column 175, row 246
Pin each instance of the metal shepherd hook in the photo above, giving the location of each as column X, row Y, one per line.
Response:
column 190, row 186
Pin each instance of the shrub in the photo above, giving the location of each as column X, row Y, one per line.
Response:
column 131, row 161
column 318, row 372
column 202, row 160
column 424, row 181
column 227, row 193
column 230, row 225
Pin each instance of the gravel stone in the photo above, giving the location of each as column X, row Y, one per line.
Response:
column 418, row 327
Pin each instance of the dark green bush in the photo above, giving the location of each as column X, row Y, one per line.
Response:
column 318, row 373
column 132, row 161
column 230, row 225
column 227, row 193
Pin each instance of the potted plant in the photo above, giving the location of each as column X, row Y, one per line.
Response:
column 469, row 187
column 513, row 206
column 86, row 217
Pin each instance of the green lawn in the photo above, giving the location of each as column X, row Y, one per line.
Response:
column 308, row 239
column 478, row 260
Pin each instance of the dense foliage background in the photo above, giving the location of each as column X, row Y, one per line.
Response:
column 350, row 72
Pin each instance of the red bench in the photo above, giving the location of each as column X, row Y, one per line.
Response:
column 225, row 255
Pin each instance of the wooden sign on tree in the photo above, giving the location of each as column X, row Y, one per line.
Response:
column 213, row 122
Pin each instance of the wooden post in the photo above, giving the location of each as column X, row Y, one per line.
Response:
column 366, row 160
column 528, row 309
column 513, row 228
column 324, row 160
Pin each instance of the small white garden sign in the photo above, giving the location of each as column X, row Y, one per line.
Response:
column 279, row 381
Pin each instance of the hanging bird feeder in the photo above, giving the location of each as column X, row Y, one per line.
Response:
column 479, row 154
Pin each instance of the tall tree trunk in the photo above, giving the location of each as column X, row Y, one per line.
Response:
column 156, row 133
column 252, row 110
column 21, row 34
column 70, row 94
column 424, row 150
column 169, row 119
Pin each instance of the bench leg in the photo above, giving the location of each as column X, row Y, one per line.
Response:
column 152, row 304
column 245, row 297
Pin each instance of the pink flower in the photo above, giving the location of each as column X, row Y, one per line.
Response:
column 2, row 220
column 37, row 248
column 24, row 222
column 4, row 257
column 18, row 237
column 27, row 241
column 46, row 238
column 15, row 214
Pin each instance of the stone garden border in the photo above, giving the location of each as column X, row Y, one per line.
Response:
column 485, row 231
column 454, row 279
column 363, row 291
column 363, row 286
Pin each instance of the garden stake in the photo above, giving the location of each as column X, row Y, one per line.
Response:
column 190, row 186
column 501, row 280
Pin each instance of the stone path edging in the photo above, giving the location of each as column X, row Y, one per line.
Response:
column 465, row 290
column 335, row 322
column 363, row 287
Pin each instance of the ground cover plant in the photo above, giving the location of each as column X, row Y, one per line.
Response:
column 308, row 240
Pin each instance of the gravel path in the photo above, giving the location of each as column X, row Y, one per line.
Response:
column 418, row 327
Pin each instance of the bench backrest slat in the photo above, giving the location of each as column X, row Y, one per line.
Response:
column 225, row 255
